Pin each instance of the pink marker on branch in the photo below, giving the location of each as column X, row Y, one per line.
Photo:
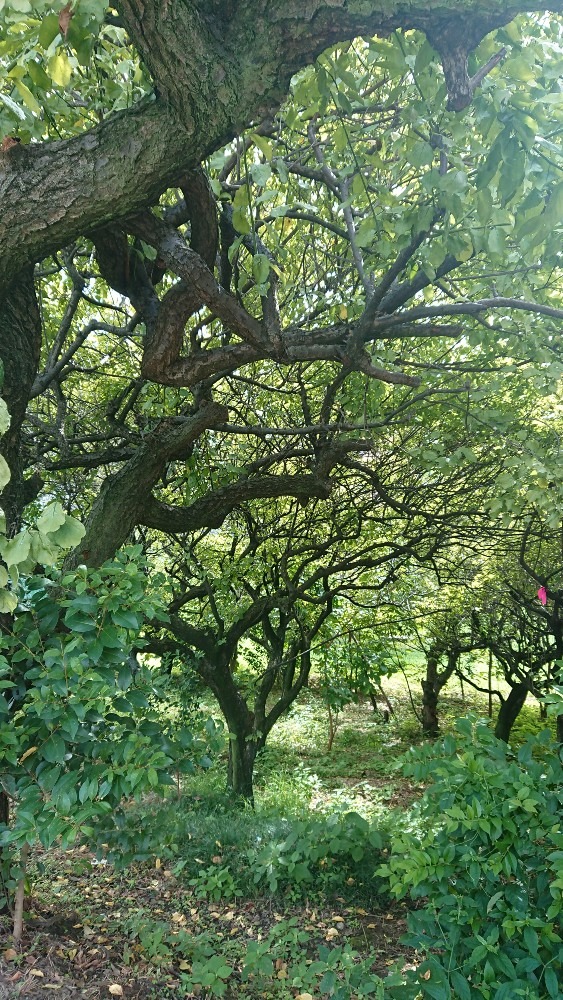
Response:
column 542, row 594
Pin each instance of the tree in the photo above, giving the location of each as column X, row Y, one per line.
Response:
column 258, row 336
column 170, row 134
column 519, row 619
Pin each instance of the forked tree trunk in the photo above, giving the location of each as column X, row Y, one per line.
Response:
column 432, row 684
column 509, row 711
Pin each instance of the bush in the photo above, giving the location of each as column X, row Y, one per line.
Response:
column 488, row 857
column 316, row 849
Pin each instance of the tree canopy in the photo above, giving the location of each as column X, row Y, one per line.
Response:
column 289, row 324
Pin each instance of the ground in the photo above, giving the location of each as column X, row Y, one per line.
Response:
column 95, row 932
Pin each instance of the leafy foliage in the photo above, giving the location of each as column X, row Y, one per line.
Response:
column 487, row 855
column 77, row 733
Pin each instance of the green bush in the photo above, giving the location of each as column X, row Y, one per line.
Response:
column 488, row 857
column 316, row 849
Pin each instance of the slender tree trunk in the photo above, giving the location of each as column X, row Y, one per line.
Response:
column 20, row 896
column 332, row 724
column 430, row 691
column 560, row 729
column 509, row 711
column 490, row 682
column 240, row 774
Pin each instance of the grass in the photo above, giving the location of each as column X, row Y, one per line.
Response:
column 146, row 929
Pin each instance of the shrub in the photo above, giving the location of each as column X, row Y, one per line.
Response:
column 488, row 857
column 314, row 848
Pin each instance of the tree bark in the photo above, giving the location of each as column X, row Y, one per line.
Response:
column 240, row 58
column 51, row 193
column 432, row 684
column 125, row 495
column 430, row 724
column 509, row 711
column 240, row 773
column 20, row 345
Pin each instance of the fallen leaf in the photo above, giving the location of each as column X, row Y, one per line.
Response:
column 116, row 990
column 65, row 19
column 184, row 966
column 27, row 754
column 332, row 933
column 37, row 972
column 9, row 955
column 304, row 996
column 87, row 931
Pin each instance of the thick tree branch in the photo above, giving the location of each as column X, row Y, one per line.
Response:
column 211, row 510
column 238, row 68
column 123, row 496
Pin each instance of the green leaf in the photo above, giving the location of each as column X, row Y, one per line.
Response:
column 264, row 145
column 28, row 98
column 19, row 112
column 240, row 221
column 8, row 602
column 461, row 986
column 15, row 550
column 126, row 619
column 49, row 30
column 51, row 519
column 260, row 268
column 4, row 417
column 70, row 533
column 60, row 69
column 124, row 678
column 54, row 749
column 5, row 474
column 551, row 983
column 261, row 173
